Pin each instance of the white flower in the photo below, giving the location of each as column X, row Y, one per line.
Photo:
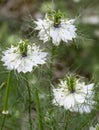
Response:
column 95, row 128
column 23, row 57
column 74, row 95
column 64, row 30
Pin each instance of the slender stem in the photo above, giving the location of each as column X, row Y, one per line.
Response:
column 53, row 5
column 29, row 109
column 51, row 69
column 3, row 122
column 5, row 109
column 50, row 89
column 38, row 110
column 52, row 58
column 7, row 93
column 67, row 119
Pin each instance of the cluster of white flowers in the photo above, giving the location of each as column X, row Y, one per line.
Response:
column 57, row 29
column 95, row 128
column 23, row 57
column 71, row 93
column 74, row 95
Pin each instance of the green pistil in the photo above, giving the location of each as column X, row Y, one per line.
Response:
column 23, row 48
column 57, row 19
column 71, row 81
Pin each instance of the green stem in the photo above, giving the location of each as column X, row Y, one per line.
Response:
column 5, row 109
column 29, row 109
column 7, row 93
column 51, row 69
column 50, row 89
column 53, row 6
column 3, row 122
column 67, row 119
column 38, row 110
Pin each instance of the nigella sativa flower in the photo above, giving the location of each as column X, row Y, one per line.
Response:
column 74, row 95
column 57, row 28
column 23, row 57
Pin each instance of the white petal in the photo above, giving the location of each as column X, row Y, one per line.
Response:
column 69, row 101
column 54, row 33
column 80, row 98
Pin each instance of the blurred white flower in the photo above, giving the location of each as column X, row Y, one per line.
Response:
column 57, row 29
column 74, row 95
column 96, row 33
column 92, row 128
column 93, row 19
column 95, row 128
column 23, row 57
column 76, row 1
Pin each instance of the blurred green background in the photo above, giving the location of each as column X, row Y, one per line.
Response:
column 81, row 56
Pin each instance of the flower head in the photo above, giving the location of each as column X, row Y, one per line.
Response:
column 56, row 27
column 72, row 94
column 23, row 57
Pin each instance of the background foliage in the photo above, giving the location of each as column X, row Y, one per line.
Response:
column 81, row 57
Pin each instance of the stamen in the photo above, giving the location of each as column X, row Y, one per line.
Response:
column 57, row 19
column 23, row 48
column 71, row 81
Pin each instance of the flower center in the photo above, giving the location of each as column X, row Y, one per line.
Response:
column 71, row 82
column 23, row 48
column 57, row 19
column 24, row 54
